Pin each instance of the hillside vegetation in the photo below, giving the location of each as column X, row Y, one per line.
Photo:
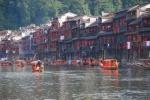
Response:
column 16, row 13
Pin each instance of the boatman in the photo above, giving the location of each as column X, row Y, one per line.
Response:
column 39, row 66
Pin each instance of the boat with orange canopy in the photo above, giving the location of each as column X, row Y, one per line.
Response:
column 37, row 66
column 58, row 62
column 110, row 64
column 20, row 63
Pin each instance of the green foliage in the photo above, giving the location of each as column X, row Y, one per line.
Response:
column 16, row 13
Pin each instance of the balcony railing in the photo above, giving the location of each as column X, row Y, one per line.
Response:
column 144, row 29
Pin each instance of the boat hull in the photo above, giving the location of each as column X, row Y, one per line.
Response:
column 37, row 69
column 109, row 64
column 5, row 63
column 20, row 63
column 37, row 66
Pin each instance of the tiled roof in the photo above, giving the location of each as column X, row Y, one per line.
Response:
column 133, row 8
column 120, row 13
column 145, row 14
column 108, row 21
column 74, row 18
column 137, row 21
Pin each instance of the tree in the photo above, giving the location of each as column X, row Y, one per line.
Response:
column 16, row 13
column 55, row 6
column 84, row 6
column 2, row 18
column 117, row 4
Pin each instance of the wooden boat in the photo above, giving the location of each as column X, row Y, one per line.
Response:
column 5, row 63
column 93, row 62
column 110, row 64
column 76, row 62
column 85, row 62
column 20, row 63
column 37, row 66
column 58, row 63
column 90, row 62
column 145, row 63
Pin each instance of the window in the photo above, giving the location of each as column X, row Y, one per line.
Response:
column 145, row 22
column 129, row 38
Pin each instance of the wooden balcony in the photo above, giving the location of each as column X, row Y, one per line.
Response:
column 145, row 29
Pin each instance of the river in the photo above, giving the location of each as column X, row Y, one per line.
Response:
column 74, row 83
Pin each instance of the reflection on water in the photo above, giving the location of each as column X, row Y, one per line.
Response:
column 74, row 84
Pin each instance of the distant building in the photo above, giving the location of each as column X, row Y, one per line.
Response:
column 26, row 50
column 121, row 35
column 9, row 49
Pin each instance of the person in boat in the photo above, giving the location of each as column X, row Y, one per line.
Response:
column 78, row 61
column 39, row 66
